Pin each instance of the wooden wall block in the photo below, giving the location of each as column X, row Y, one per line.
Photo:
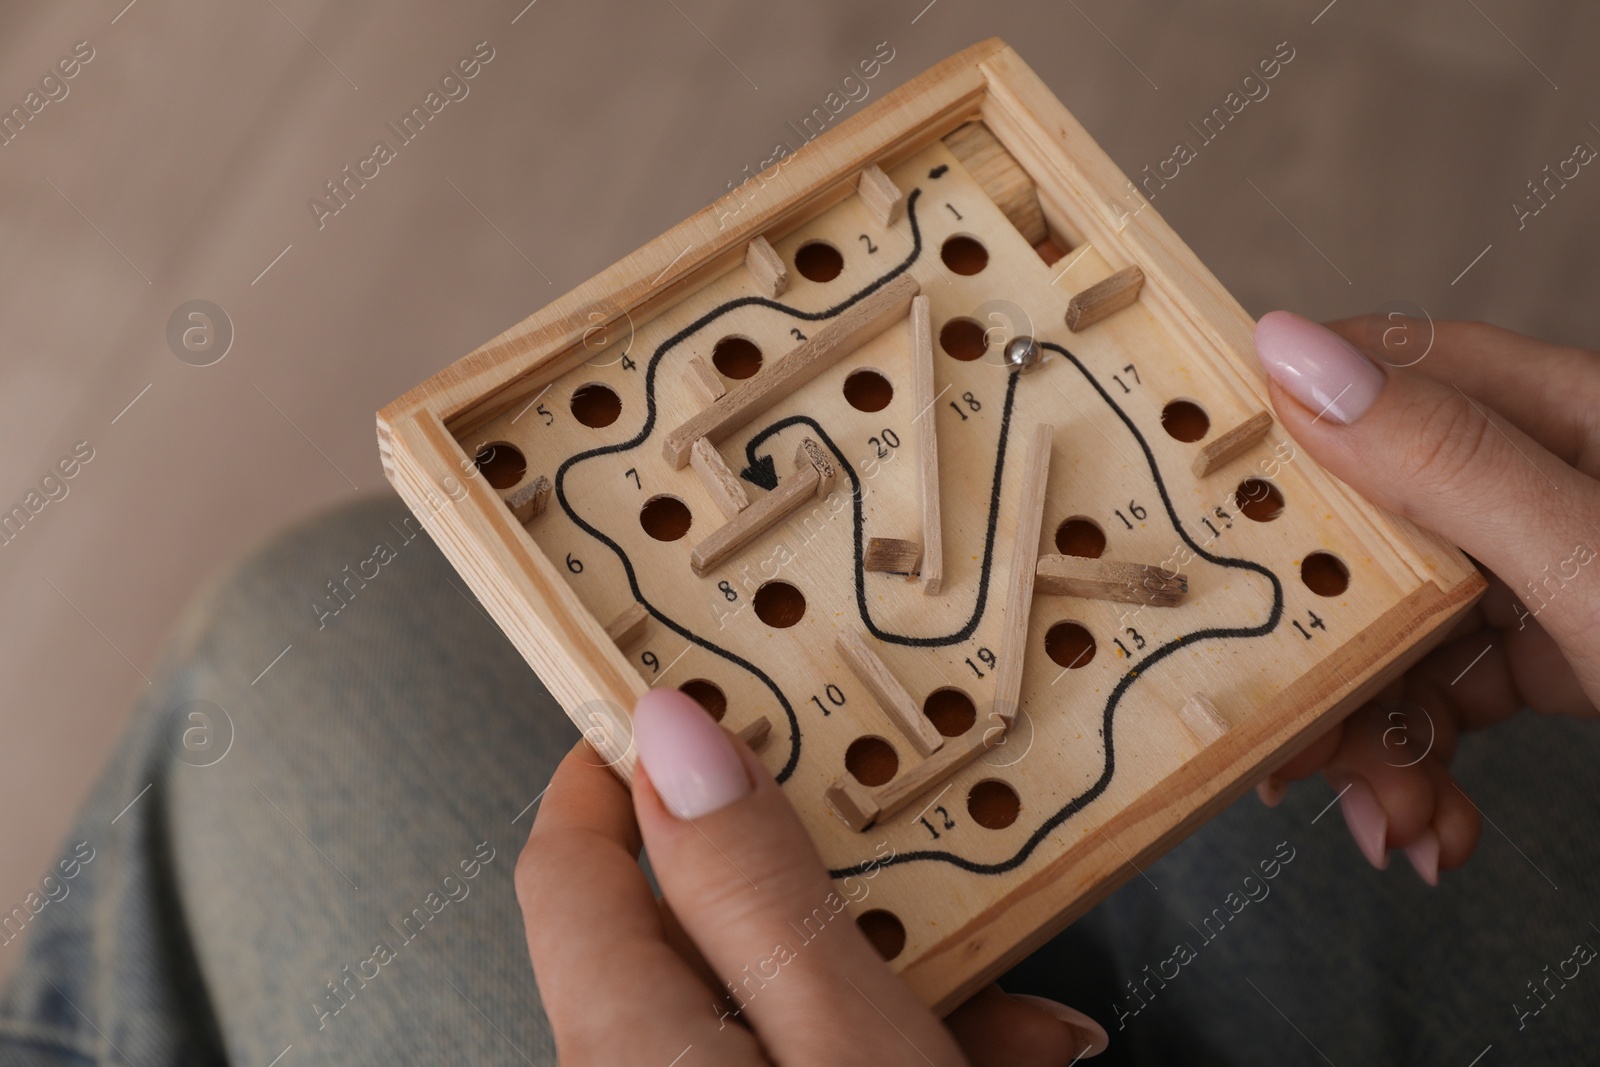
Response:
column 923, row 395
column 756, row 733
column 629, row 625
column 726, row 490
column 1108, row 579
column 1024, row 561
column 881, row 195
column 887, row 690
column 529, row 501
column 1104, row 298
column 1226, row 447
column 892, row 555
column 766, row 268
column 703, row 382
column 1203, row 719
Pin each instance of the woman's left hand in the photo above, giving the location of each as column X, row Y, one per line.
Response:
column 721, row 972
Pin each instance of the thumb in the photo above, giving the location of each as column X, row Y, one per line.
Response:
column 734, row 862
column 1427, row 451
column 747, row 886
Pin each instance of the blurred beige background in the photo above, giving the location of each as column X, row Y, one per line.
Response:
column 179, row 164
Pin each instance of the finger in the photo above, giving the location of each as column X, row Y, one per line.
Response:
column 1303, row 764
column 1453, row 835
column 1432, row 454
column 1468, row 681
column 595, row 936
column 1456, row 821
column 1387, row 801
column 743, row 878
column 1000, row 1029
column 1547, row 390
column 1543, row 678
column 1313, row 757
column 1398, row 793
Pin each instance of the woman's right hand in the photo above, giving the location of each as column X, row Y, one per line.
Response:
column 1491, row 439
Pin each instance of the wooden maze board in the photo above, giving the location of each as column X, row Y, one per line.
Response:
column 969, row 598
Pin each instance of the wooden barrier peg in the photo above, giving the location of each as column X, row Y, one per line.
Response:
column 813, row 477
column 722, row 485
column 756, row 734
column 881, row 195
column 923, row 395
column 762, row 261
column 705, row 385
column 628, row 626
column 892, row 555
column 897, row 703
column 1227, row 447
column 1202, row 719
column 853, row 802
column 1104, row 298
column 1105, row 579
column 530, row 501
column 1024, row 563
column 853, row 328
column 861, row 807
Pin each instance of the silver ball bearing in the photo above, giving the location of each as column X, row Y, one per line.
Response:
column 1022, row 353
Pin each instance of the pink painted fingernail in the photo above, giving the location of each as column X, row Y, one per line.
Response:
column 690, row 760
column 1272, row 791
column 1368, row 822
column 1317, row 367
column 1424, row 856
column 1093, row 1035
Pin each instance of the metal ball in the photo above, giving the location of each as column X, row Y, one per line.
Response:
column 1022, row 352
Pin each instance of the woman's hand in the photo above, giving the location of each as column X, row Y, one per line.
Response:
column 726, row 970
column 1490, row 439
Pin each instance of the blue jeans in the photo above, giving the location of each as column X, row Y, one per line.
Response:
column 302, row 852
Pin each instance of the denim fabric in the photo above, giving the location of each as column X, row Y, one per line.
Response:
column 1331, row 961
column 305, row 856
column 234, row 910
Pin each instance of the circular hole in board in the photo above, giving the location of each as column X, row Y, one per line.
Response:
column 886, row 932
column 1259, row 499
column 867, row 390
column 779, row 604
column 596, row 405
column 1184, row 420
column 1079, row 536
column 964, row 255
column 963, row 339
column 736, row 357
column 501, row 464
column 1069, row 645
column 819, row 261
column 993, row 804
column 872, row 760
column 708, row 695
column 951, row 711
column 666, row 518
column 1325, row 574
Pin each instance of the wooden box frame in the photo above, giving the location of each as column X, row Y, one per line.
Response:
column 1085, row 200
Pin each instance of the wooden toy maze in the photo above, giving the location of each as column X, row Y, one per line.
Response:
column 934, row 465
